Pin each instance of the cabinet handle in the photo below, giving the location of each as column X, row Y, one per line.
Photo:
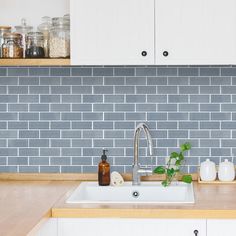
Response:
column 165, row 54
column 144, row 53
column 195, row 232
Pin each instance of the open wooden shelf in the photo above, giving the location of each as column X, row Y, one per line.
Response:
column 34, row 62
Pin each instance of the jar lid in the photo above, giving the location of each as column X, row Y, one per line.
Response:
column 12, row 36
column 34, row 35
column 23, row 28
column 60, row 21
column 46, row 25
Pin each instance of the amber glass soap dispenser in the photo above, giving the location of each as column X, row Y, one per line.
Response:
column 104, row 171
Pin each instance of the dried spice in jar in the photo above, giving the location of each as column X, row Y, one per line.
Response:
column 3, row 30
column 59, row 38
column 34, row 45
column 12, row 46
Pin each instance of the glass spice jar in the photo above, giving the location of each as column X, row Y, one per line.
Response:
column 12, row 46
column 34, row 45
column 23, row 29
column 59, row 43
column 3, row 30
column 45, row 29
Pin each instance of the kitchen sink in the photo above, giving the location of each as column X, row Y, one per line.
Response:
column 146, row 193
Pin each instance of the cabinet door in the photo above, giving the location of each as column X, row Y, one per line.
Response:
column 112, row 32
column 221, row 227
column 49, row 228
column 195, row 31
column 132, row 227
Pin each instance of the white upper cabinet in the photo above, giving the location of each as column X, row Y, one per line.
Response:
column 195, row 32
column 112, row 32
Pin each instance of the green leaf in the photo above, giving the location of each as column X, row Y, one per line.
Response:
column 164, row 183
column 174, row 155
column 171, row 171
column 185, row 147
column 178, row 163
column 181, row 156
column 187, row 179
column 159, row 170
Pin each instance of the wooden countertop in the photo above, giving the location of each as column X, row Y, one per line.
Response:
column 25, row 203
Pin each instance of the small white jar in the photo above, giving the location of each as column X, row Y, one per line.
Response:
column 226, row 171
column 208, row 170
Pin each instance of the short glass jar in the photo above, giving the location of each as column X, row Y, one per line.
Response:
column 34, row 45
column 59, row 43
column 12, row 46
column 3, row 30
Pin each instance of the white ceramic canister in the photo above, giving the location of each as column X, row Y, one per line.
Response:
column 208, row 170
column 226, row 171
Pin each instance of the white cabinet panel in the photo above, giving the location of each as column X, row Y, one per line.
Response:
column 221, row 227
column 49, row 228
column 112, row 32
column 195, row 31
column 131, row 227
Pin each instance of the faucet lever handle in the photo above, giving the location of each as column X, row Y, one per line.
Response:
column 145, row 171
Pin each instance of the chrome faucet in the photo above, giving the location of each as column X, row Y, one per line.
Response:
column 137, row 170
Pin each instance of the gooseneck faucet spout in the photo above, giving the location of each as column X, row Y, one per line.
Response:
column 137, row 170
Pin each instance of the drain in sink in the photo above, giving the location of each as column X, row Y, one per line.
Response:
column 135, row 194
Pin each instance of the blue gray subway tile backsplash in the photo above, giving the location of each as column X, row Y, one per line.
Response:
column 58, row 119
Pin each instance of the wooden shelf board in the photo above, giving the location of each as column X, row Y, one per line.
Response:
column 34, row 62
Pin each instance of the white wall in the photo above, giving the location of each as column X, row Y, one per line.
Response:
column 11, row 11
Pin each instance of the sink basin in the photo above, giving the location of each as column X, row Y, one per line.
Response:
column 146, row 193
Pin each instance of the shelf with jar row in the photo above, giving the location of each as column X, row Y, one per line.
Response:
column 35, row 62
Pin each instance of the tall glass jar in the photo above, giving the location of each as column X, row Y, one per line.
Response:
column 59, row 38
column 12, row 46
column 23, row 29
column 3, row 30
column 34, row 45
column 45, row 29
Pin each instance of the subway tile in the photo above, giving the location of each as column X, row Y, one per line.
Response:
column 28, row 98
column 38, row 107
column 113, row 134
column 17, row 89
column 60, row 161
column 28, row 116
column 221, row 81
column 71, row 151
column 79, row 71
column 70, row 116
column 71, row 81
column 17, row 125
column 39, row 143
column 18, row 71
column 28, row 169
column 82, row 143
column 209, row 71
column 38, row 125
column 228, row 71
column 60, row 89
column 92, row 98
column 124, row 107
column 71, row 98
column 228, row 89
column 189, row 89
column 103, row 71
column 49, row 169
column 166, row 125
column 209, row 89
column 209, row 125
column 199, row 116
column 92, row 116
column 17, row 160
column 167, row 107
column 220, row 152
column 188, row 71
column 60, row 107
column 59, row 71
column 123, row 143
column 8, row 116
column 157, row 98
column 188, row 125
column 146, row 107
column 228, row 125
column 8, row 169
column 102, row 125
column 136, row 81
column 71, row 169
column 70, row 134
column 124, row 71
column 3, row 72
column 228, row 107
column 167, row 71
column 49, row 99
column 188, row 107
column 81, row 161
column 102, row 107
column 17, row 143
column 220, row 98
column 220, row 134
column 8, row 151
column 178, row 116
column 124, row 89
column 18, row 107
column 8, row 98
column 103, row 89
column 228, row 143
column 28, row 151
column 199, row 81
column 81, row 107
column 28, row 134
column 50, row 80
column 49, row 151
column 38, row 71
column 156, row 116
column 114, row 98
column 81, row 124
column 60, row 125
column 160, row 80
column 199, row 134
column 210, row 107
column 167, row 142
column 81, row 90
column 200, row 98
column 49, row 134
column 3, row 89
column 60, row 143
column 93, row 80
column 114, row 116
column 177, row 98
column 167, row 89
column 124, row 125
column 178, row 80
column 220, row 116
column 38, row 161
column 39, row 89
column 8, row 80
column 29, row 80
column 146, row 71
column 89, row 134
column 136, row 116
column 114, row 81
column 105, row 143
column 3, row 125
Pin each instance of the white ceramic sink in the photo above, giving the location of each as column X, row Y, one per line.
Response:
column 146, row 193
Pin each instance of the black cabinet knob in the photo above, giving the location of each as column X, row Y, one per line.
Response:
column 144, row 53
column 165, row 53
column 195, row 232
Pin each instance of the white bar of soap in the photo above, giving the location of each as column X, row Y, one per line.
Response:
column 116, row 179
